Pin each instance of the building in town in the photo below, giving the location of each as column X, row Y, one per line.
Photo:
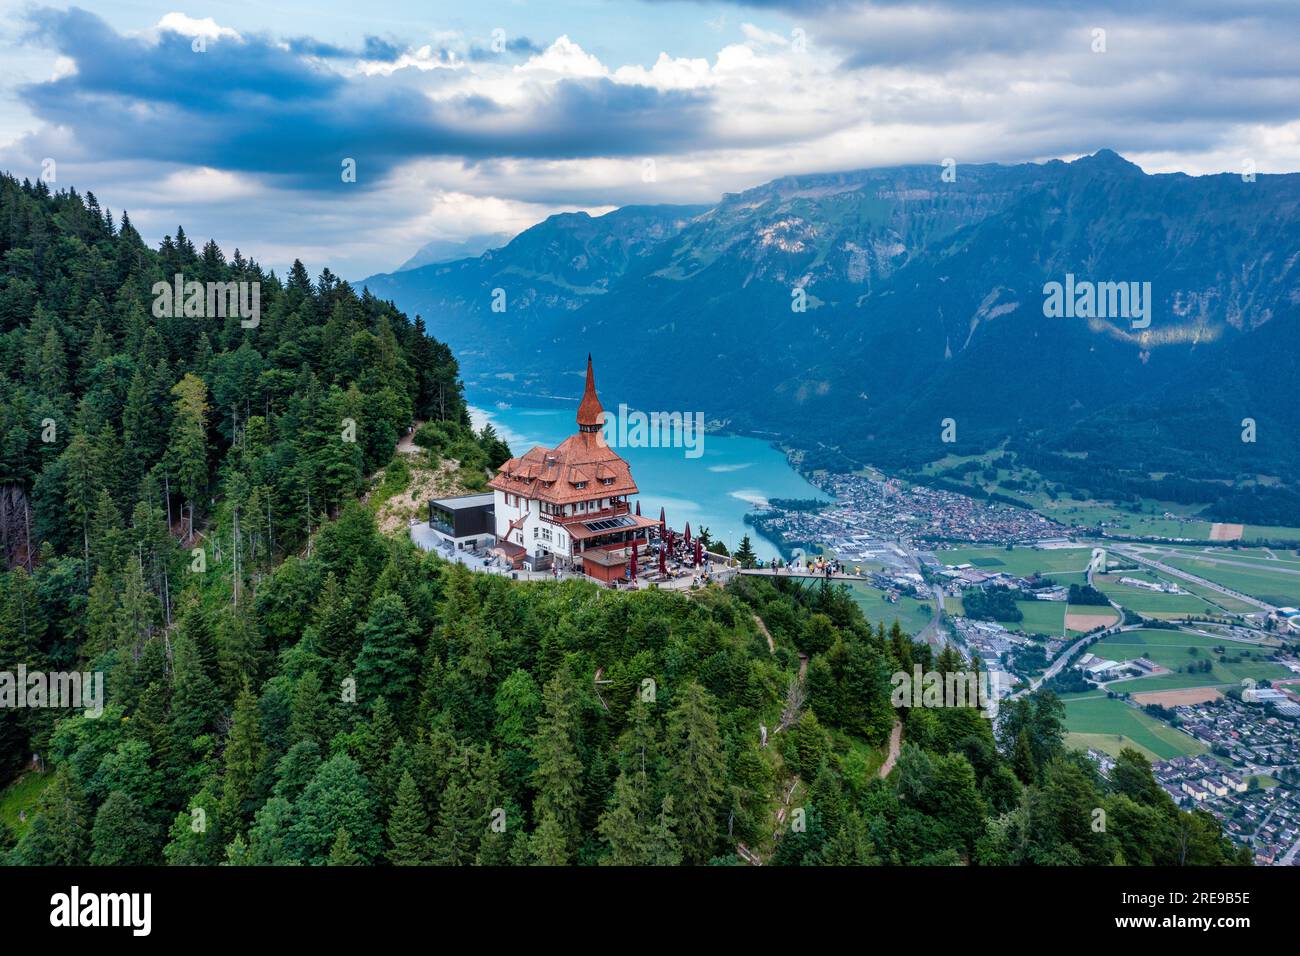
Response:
column 570, row 505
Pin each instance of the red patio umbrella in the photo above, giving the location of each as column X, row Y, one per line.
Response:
column 688, row 534
column 663, row 563
column 699, row 553
column 634, row 562
column 638, row 509
column 663, row 524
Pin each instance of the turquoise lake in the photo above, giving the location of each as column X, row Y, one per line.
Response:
column 713, row 490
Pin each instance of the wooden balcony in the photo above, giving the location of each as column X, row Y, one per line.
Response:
column 621, row 508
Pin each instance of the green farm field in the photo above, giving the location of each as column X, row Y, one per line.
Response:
column 1020, row 561
column 1276, row 587
column 1270, row 558
column 1110, row 724
column 1156, row 604
column 1042, row 617
column 1180, row 651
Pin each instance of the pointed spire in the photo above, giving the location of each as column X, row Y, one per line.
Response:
column 590, row 410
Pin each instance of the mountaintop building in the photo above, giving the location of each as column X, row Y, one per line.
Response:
column 569, row 505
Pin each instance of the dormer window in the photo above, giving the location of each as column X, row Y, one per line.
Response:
column 580, row 484
column 607, row 481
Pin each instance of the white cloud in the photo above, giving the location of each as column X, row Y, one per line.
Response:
column 190, row 27
column 927, row 83
column 201, row 184
column 563, row 58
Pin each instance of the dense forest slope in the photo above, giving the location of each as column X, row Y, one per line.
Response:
column 286, row 685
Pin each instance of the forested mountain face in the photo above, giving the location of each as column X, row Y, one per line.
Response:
column 925, row 301
column 285, row 685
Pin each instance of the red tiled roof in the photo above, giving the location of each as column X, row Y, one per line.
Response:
column 554, row 474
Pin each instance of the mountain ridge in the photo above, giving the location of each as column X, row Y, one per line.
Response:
column 924, row 301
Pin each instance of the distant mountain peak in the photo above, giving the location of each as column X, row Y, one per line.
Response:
column 1109, row 161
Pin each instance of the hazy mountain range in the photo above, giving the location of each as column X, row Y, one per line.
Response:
column 924, row 301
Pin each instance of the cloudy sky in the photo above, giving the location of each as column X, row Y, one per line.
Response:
column 472, row 120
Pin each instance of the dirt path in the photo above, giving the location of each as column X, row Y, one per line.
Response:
column 406, row 444
column 771, row 644
column 895, row 743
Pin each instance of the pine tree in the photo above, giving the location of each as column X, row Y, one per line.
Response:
column 623, row 825
column 187, row 449
column 244, row 759
column 341, row 852
column 196, row 704
column 310, row 720
column 408, row 826
column 663, row 849
column 81, row 488
column 558, row 776
column 550, row 845
column 387, row 662
column 195, row 835
column 697, row 774
column 745, row 553
column 121, row 835
column 456, row 834
column 1022, row 759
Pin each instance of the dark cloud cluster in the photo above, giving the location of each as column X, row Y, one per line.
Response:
column 253, row 105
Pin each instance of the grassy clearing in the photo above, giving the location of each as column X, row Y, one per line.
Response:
column 21, row 797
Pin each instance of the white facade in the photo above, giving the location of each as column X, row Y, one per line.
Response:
column 537, row 534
